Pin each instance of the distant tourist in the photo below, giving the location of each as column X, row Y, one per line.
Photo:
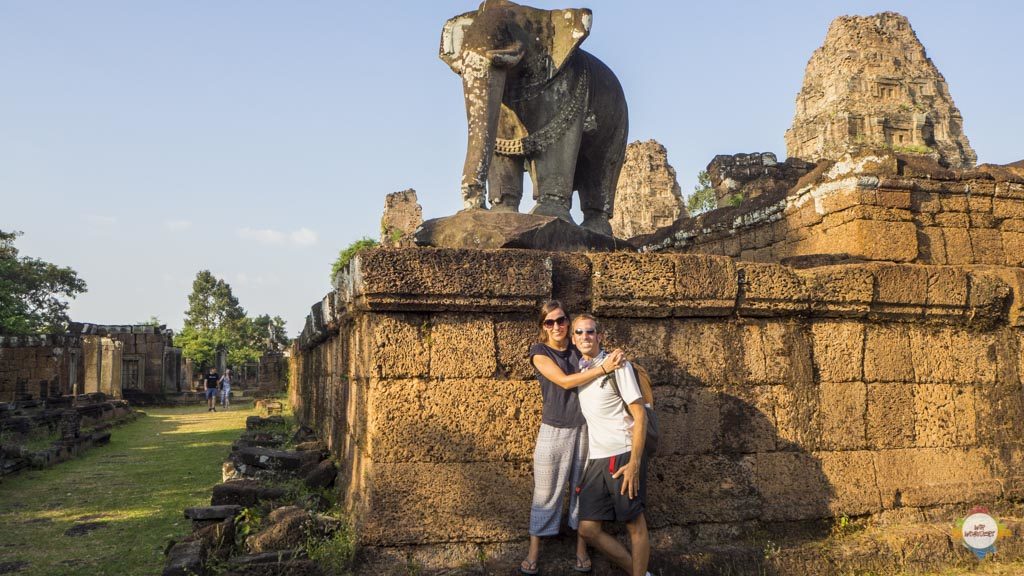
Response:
column 212, row 378
column 561, row 449
column 225, row 388
column 614, row 486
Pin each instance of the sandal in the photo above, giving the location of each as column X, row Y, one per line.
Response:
column 583, row 565
column 529, row 568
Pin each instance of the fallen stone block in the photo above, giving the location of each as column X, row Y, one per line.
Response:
column 322, row 476
column 271, row 459
column 284, row 529
column 244, row 493
column 185, row 559
column 257, row 423
column 304, row 434
column 212, row 512
column 312, row 446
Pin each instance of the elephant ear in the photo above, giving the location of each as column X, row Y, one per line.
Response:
column 569, row 28
column 451, row 40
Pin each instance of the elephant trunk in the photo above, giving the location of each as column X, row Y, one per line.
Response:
column 483, row 85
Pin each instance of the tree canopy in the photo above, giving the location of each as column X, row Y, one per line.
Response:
column 703, row 197
column 215, row 320
column 33, row 293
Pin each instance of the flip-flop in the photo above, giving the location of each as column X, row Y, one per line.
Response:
column 583, row 565
column 529, row 568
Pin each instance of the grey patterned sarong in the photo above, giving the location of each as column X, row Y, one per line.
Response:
column 558, row 462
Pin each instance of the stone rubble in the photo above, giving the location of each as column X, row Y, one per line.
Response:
column 402, row 216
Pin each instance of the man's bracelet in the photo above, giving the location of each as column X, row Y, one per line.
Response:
column 603, row 370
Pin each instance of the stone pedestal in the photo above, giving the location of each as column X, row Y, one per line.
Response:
column 482, row 229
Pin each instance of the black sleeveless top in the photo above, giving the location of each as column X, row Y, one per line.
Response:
column 561, row 406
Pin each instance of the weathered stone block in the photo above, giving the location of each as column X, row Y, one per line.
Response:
column 490, row 499
column 792, row 486
column 958, row 246
column 890, row 416
column 944, row 415
column 987, row 245
column 931, row 245
column 645, row 342
column 1013, row 248
column 700, row 352
column 634, row 284
column 776, row 353
column 933, row 476
column 838, row 351
column 1008, row 208
column 688, row 419
column 887, row 354
column 705, row 285
column 839, row 290
column 770, row 289
column 431, row 278
column 570, row 280
column 457, row 420
column 747, row 421
column 893, row 198
column 702, row 488
column 853, row 481
column 399, row 345
column 899, row 290
column 513, row 336
column 953, row 220
column 841, row 415
column 461, row 346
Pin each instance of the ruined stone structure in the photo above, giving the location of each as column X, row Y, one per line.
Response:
column 647, row 196
column 402, row 216
column 878, row 206
column 871, row 85
column 783, row 394
column 89, row 358
column 847, row 341
column 740, row 177
column 50, row 366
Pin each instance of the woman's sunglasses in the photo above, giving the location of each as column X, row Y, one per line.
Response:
column 561, row 320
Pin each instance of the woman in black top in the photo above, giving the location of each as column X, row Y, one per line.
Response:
column 561, row 447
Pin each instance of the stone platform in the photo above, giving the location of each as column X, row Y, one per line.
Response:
column 788, row 397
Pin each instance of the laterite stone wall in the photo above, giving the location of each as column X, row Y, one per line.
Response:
column 784, row 395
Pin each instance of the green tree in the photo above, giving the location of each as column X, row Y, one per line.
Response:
column 33, row 292
column 346, row 254
column 269, row 332
column 703, row 197
column 214, row 321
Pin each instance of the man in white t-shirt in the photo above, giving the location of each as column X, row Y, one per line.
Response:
column 614, row 482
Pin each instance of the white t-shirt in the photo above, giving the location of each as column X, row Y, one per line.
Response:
column 609, row 423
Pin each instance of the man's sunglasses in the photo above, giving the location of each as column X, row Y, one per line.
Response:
column 588, row 332
column 561, row 320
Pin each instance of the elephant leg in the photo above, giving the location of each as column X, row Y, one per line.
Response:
column 598, row 177
column 553, row 172
column 505, row 183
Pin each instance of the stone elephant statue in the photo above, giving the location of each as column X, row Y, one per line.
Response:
column 536, row 102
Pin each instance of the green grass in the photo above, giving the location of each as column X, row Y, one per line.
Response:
column 137, row 485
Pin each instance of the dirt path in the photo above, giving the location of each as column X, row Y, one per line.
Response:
column 114, row 510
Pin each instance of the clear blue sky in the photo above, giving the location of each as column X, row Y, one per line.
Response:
column 141, row 142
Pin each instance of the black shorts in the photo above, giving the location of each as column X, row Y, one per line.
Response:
column 600, row 496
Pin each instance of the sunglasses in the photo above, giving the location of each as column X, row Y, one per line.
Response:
column 561, row 320
column 588, row 332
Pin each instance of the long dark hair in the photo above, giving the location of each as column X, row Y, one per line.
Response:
column 545, row 309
